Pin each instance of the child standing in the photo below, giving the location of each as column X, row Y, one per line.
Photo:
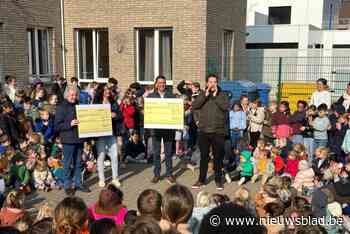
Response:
column 281, row 128
column 238, row 123
column 308, row 132
column 321, row 125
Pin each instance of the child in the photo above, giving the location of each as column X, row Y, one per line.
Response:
column 52, row 104
column 44, row 125
column 20, row 175
column 43, row 179
column 242, row 198
column 201, row 209
column 135, row 150
column 321, row 125
column 39, row 98
column 245, row 167
column 336, row 137
column 263, row 167
column 238, row 123
column 321, row 161
column 88, row 158
column 149, row 204
column 71, row 216
column 292, row 164
column 30, row 111
column 280, row 124
column 305, row 177
column 57, row 149
column 259, row 148
column 19, row 98
column 308, row 132
column 301, row 151
column 45, row 211
column 277, row 160
column 13, row 210
column 109, row 205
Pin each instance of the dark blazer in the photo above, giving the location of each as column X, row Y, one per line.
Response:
column 65, row 113
column 167, row 134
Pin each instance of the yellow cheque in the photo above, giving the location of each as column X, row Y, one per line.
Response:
column 164, row 113
column 94, row 120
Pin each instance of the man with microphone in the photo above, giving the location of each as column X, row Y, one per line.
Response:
column 212, row 105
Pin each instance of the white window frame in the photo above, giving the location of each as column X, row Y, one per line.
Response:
column 44, row 77
column 95, row 50
column 231, row 53
column 156, row 55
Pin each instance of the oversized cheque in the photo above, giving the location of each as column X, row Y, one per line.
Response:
column 94, row 120
column 164, row 113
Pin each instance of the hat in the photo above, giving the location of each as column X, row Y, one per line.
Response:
column 335, row 209
column 36, row 82
column 19, row 156
column 303, row 165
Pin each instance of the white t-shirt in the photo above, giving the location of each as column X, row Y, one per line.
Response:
column 320, row 97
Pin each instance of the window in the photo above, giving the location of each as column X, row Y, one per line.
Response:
column 227, row 55
column 92, row 54
column 280, row 15
column 39, row 53
column 154, row 54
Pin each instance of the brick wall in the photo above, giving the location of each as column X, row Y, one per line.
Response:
column 19, row 15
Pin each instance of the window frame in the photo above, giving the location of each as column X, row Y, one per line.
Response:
column 156, row 54
column 231, row 55
column 95, row 46
column 37, row 75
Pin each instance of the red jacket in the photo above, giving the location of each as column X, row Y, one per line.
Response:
column 292, row 167
column 279, row 164
column 128, row 114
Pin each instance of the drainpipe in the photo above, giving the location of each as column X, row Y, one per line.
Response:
column 62, row 40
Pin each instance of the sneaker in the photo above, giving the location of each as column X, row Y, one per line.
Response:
column 219, row 186
column 116, row 183
column 83, row 189
column 198, row 185
column 171, row 180
column 241, row 181
column 101, row 184
column 155, row 179
column 228, row 178
column 107, row 163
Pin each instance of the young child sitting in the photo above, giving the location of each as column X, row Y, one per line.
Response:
column 301, row 151
column 88, row 158
column 109, row 205
column 20, row 175
column 321, row 161
column 245, row 167
column 304, row 177
column 135, row 150
column 43, row 179
column 30, row 111
column 263, row 167
column 277, row 160
column 292, row 164
column 260, row 147
column 44, row 125
column 242, row 198
column 201, row 209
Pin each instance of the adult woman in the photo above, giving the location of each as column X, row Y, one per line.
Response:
column 256, row 116
column 345, row 99
column 108, row 144
column 322, row 94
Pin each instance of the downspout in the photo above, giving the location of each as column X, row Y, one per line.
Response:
column 62, row 40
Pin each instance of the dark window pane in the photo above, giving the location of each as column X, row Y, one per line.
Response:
column 103, row 54
column 86, row 61
column 279, row 15
column 146, row 55
column 166, row 54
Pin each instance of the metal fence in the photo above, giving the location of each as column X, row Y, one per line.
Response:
column 277, row 71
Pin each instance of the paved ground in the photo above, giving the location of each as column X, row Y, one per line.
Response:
column 135, row 179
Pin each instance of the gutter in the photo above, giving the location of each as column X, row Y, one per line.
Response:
column 63, row 40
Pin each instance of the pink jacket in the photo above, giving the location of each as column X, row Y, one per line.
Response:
column 304, row 178
column 292, row 167
column 118, row 218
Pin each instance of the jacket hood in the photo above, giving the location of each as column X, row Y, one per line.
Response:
column 246, row 155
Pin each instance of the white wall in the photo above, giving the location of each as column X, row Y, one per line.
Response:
column 303, row 11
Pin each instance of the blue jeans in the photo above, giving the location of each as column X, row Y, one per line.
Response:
column 72, row 164
column 309, row 145
column 235, row 136
column 168, row 147
column 297, row 139
column 107, row 144
column 320, row 143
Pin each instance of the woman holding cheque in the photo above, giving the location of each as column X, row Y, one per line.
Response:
column 108, row 144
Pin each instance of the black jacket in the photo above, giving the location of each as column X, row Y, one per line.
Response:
column 65, row 113
column 212, row 112
column 10, row 126
column 167, row 134
column 59, row 91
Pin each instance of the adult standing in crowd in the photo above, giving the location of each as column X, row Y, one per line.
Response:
column 213, row 107
column 66, row 124
column 166, row 135
column 10, row 87
column 345, row 99
column 322, row 94
column 108, row 144
column 58, row 88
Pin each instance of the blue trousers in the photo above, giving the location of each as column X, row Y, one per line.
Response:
column 72, row 165
column 168, row 147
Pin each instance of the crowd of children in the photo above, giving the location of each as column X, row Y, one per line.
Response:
column 300, row 158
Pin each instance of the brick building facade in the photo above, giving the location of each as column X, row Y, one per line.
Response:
column 182, row 39
column 30, row 42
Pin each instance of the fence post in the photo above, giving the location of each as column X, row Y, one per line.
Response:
column 279, row 86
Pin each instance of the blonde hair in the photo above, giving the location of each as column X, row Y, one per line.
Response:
column 241, row 195
column 299, row 148
column 15, row 199
column 203, row 199
column 70, row 216
column 45, row 211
